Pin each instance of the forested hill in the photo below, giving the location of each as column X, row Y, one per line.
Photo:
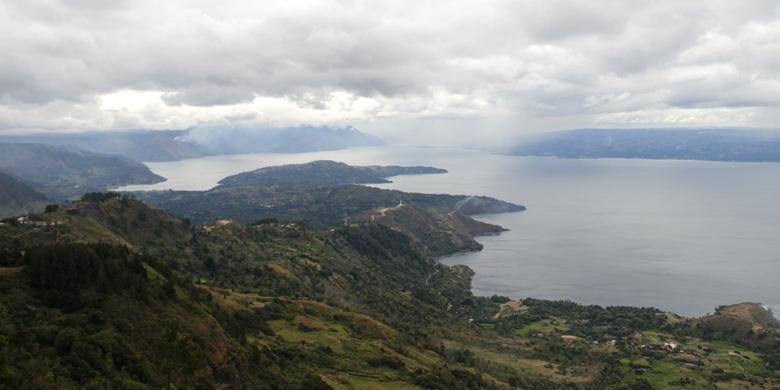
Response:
column 17, row 197
column 64, row 172
column 680, row 144
column 325, row 173
column 110, row 293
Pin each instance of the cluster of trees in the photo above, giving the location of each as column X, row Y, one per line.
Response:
column 65, row 272
column 100, row 196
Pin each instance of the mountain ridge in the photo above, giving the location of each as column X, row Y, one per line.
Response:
column 172, row 145
column 718, row 144
column 65, row 172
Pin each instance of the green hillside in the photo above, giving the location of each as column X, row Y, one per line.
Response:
column 322, row 173
column 320, row 193
column 110, row 293
column 17, row 197
column 61, row 172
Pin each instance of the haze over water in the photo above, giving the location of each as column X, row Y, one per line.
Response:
column 683, row 236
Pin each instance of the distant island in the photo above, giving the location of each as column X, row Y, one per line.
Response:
column 745, row 145
column 171, row 145
column 326, row 193
column 324, row 173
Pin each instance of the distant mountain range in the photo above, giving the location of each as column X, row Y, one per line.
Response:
column 142, row 145
column 747, row 145
column 16, row 197
column 63, row 173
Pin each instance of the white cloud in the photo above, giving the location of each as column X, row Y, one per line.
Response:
column 506, row 65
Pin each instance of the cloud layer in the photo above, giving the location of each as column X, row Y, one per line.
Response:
column 505, row 66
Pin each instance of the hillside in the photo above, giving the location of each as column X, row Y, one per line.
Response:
column 439, row 234
column 64, row 172
column 680, row 144
column 17, row 197
column 319, row 206
column 323, row 173
column 113, row 294
column 148, row 145
column 318, row 193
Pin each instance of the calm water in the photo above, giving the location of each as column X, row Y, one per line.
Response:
column 683, row 236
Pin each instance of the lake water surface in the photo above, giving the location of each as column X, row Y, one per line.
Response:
column 683, row 236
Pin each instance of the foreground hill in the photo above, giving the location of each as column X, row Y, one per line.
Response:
column 142, row 145
column 323, row 173
column 17, row 197
column 315, row 193
column 679, row 144
column 109, row 293
column 64, row 172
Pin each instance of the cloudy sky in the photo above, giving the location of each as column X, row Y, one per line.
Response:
column 435, row 69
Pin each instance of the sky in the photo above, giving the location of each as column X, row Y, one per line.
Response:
column 467, row 71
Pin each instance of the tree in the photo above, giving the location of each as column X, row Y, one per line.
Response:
column 179, row 354
column 4, row 372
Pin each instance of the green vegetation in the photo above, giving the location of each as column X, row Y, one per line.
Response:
column 318, row 193
column 323, row 173
column 110, row 293
column 438, row 234
column 17, row 197
column 64, row 173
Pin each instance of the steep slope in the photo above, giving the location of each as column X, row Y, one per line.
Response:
column 63, row 172
column 17, row 197
column 322, row 173
column 440, row 234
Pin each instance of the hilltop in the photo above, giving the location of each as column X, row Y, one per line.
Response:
column 61, row 172
column 17, row 197
column 121, row 295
